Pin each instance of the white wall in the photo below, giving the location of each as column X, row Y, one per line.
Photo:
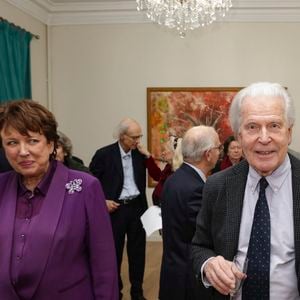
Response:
column 38, row 48
column 100, row 72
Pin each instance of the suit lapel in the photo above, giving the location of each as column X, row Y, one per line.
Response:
column 7, row 221
column 235, row 192
column 135, row 163
column 117, row 160
column 296, row 208
column 43, row 231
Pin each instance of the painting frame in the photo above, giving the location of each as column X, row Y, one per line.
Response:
column 172, row 110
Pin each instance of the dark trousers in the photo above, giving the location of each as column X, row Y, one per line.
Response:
column 126, row 222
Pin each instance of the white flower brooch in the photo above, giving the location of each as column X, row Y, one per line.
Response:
column 74, row 186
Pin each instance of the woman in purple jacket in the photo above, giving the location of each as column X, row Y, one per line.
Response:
column 55, row 234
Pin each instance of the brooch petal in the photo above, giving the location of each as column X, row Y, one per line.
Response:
column 74, row 186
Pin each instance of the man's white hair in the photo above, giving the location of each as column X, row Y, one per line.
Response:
column 260, row 89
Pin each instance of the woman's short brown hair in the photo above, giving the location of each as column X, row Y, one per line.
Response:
column 28, row 115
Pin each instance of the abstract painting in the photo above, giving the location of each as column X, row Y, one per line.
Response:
column 171, row 111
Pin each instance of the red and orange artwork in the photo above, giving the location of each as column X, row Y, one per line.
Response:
column 171, row 111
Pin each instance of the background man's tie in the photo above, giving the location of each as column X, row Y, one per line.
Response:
column 257, row 283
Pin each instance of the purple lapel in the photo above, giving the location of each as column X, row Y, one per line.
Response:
column 43, row 230
column 7, row 221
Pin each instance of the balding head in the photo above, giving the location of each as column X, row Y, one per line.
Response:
column 196, row 141
column 123, row 127
column 129, row 133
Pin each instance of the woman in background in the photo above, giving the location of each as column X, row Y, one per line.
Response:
column 174, row 161
column 233, row 154
column 4, row 164
column 64, row 154
column 56, row 239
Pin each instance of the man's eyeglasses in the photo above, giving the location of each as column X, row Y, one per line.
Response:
column 220, row 148
column 134, row 137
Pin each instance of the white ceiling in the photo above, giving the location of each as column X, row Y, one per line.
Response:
column 61, row 12
column 82, row 1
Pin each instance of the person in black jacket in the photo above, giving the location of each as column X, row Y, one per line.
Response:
column 181, row 202
column 121, row 168
column 4, row 164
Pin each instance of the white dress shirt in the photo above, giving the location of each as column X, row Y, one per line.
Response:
column 279, row 194
column 129, row 189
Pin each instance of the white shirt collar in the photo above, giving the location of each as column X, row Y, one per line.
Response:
column 199, row 171
column 123, row 153
column 275, row 180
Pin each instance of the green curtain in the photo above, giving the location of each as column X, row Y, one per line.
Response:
column 15, row 78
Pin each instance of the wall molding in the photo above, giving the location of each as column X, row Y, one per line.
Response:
column 124, row 12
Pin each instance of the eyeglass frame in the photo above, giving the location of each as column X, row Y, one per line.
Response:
column 220, row 148
column 134, row 138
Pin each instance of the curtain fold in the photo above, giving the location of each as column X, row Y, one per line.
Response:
column 15, row 77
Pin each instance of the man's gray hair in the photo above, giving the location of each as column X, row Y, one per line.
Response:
column 260, row 89
column 196, row 141
column 123, row 127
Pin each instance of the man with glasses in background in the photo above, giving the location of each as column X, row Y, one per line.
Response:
column 121, row 169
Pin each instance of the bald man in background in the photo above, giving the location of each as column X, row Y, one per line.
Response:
column 181, row 202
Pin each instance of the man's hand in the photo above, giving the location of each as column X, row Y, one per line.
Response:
column 143, row 150
column 112, row 205
column 222, row 274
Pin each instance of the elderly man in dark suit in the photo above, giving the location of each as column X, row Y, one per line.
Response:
column 181, row 201
column 252, row 210
column 121, row 168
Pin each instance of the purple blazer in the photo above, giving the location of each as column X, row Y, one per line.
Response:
column 72, row 250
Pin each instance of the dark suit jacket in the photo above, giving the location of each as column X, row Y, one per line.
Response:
column 106, row 165
column 218, row 223
column 4, row 164
column 71, row 254
column 181, row 201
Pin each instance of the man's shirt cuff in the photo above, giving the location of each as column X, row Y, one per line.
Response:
column 205, row 282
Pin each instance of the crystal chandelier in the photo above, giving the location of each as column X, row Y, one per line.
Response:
column 184, row 14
